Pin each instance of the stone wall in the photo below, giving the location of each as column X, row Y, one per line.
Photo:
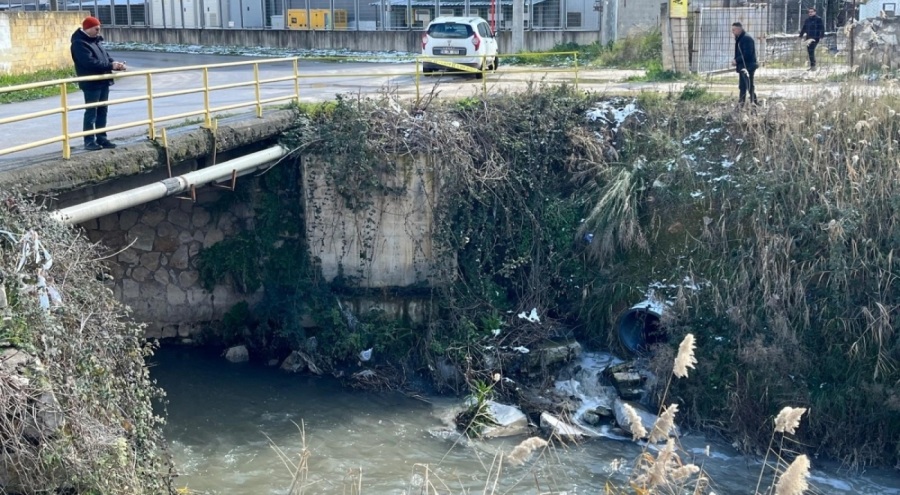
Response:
column 876, row 45
column 155, row 270
column 387, row 245
column 33, row 41
column 788, row 48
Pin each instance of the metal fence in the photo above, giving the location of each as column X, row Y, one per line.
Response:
column 855, row 54
column 199, row 94
column 706, row 43
column 351, row 15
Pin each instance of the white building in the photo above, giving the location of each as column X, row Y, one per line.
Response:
column 874, row 8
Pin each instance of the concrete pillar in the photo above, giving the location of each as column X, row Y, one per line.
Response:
column 518, row 29
column 674, row 41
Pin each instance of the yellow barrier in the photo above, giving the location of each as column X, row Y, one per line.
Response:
column 151, row 119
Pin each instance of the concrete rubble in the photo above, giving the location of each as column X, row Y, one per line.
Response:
column 627, row 380
column 563, row 430
column 876, row 43
column 648, row 419
column 510, row 421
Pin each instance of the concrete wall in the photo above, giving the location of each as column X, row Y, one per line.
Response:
column 154, row 247
column 873, row 8
column 33, row 41
column 788, row 48
column 155, row 271
column 636, row 16
column 400, row 41
column 387, row 243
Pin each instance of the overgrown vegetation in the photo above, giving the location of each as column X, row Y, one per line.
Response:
column 771, row 234
column 36, row 93
column 74, row 389
column 635, row 51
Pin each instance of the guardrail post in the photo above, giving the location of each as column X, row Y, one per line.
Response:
column 418, row 73
column 256, row 80
column 576, row 70
column 207, row 118
column 297, row 80
column 484, row 75
column 152, row 131
column 64, row 102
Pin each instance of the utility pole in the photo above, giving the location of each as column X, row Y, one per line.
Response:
column 518, row 28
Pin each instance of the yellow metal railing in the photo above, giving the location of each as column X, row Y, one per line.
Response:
column 150, row 119
column 255, row 99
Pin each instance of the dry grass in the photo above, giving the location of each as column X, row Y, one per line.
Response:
column 614, row 218
column 788, row 221
column 74, row 388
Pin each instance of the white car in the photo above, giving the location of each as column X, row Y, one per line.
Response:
column 463, row 40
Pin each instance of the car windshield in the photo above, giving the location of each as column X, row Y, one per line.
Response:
column 450, row 30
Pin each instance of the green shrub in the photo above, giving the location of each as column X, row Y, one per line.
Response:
column 36, row 93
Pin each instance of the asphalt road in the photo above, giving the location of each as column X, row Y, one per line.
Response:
column 320, row 81
column 323, row 80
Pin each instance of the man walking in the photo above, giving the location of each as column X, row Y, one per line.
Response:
column 812, row 32
column 744, row 62
column 91, row 59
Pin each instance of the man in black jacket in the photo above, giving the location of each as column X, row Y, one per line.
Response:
column 91, row 59
column 813, row 30
column 744, row 62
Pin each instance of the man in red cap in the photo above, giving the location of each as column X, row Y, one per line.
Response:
column 91, row 59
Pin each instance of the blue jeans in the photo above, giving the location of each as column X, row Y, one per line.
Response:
column 95, row 118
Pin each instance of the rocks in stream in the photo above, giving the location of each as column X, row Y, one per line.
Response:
column 627, row 380
column 299, row 361
column 509, row 421
column 648, row 419
column 597, row 415
column 553, row 354
column 237, row 354
column 563, row 430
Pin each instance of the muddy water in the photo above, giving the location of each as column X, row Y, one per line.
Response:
column 221, row 417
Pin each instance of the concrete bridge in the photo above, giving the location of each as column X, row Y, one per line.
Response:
column 157, row 228
column 154, row 204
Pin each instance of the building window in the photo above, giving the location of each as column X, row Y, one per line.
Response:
column 573, row 19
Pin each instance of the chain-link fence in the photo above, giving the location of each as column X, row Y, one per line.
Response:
column 781, row 56
column 815, row 35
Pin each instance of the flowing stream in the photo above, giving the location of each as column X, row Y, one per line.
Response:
column 222, row 417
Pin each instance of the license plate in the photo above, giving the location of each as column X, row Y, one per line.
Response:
column 449, row 51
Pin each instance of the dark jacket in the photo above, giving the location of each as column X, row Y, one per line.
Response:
column 91, row 59
column 744, row 52
column 813, row 28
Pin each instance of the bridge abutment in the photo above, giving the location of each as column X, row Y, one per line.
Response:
column 156, row 268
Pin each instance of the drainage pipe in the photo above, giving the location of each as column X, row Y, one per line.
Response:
column 168, row 187
column 638, row 327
